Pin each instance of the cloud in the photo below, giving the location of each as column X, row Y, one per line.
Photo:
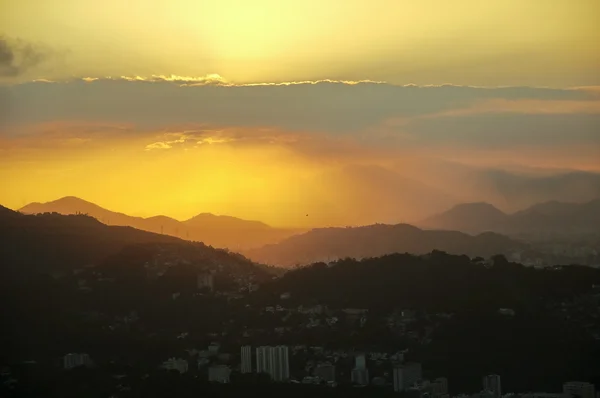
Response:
column 212, row 78
column 334, row 107
column 158, row 145
column 525, row 106
column 325, row 120
column 17, row 56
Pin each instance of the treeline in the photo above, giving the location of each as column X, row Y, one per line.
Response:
column 438, row 282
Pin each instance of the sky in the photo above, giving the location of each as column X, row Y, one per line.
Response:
column 349, row 111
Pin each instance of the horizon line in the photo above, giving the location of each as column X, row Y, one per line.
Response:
column 216, row 80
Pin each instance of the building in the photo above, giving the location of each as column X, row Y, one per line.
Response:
column 360, row 361
column 178, row 364
column 439, row 387
column 360, row 377
column 360, row 373
column 74, row 360
column 246, row 359
column 274, row 361
column 325, row 372
column 579, row 389
column 406, row 375
column 219, row 373
column 205, row 281
column 492, row 384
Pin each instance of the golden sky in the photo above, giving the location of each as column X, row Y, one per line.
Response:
column 421, row 104
column 470, row 42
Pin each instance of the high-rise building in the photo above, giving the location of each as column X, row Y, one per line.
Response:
column 360, row 361
column 492, row 384
column 274, row 361
column 219, row 373
column 246, row 359
column 579, row 389
column 360, row 376
column 360, row 373
column 406, row 375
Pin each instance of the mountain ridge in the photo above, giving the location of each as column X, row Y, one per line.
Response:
column 324, row 244
column 220, row 231
column 546, row 217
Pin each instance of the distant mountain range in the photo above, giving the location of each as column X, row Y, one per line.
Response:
column 218, row 231
column 549, row 218
column 50, row 243
column 326, row 244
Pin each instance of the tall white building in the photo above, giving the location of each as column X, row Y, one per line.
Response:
column 360, row 361
column 579, row 389
column 274, row 361
column 219, row 373
column 360, row 373
column 360, row 376
column 246, row 359
column 492, row 384
column 74, row 360
column 406, row 375
column 178, row 364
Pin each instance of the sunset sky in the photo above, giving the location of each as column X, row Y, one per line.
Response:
column 349, row 111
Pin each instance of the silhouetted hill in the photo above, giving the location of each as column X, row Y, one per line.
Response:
column 436, row 281
column 209, row 220
column 544, row 218
column 6, row 212
column 218, row 231
column 476, row 338
column 376, row 240
column 468, row 217
column 52, row 243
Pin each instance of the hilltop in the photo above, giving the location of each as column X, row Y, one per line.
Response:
column 219, row 231
column 375, row 240
column 51, row 243
column 551, row 217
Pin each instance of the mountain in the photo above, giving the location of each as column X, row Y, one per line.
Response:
column 5, row 212
column 544, row 218
column 53, row 243
column 218, row 231
column 376, row 240
column 209, row 220
column 62, row 242
column 468, row 217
